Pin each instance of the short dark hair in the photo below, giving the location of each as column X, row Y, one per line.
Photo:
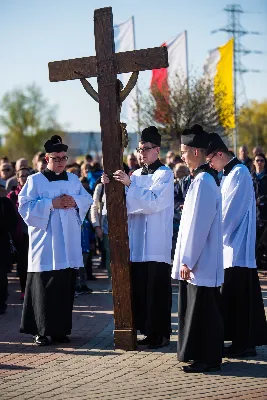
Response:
column 40, row 156
column 228, row 152
column 260, row 155
column 153, row 144
column 23, row 169
column 88, row 157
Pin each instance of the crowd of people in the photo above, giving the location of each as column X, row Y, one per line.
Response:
column 94, row 237
column 55, row 206
column 14, row 174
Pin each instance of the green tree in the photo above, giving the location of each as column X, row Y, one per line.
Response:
column 252, row 125
column 27, row 121
column 187, row 103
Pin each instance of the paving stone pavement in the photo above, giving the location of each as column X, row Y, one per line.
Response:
column 90, row 368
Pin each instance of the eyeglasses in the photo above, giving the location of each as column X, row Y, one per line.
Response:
column 59, row 159
column 6, row 170
column 144, row 149
column 260, row 160
column 209, row 160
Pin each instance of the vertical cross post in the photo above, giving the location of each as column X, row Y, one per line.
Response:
column 105, row 66
column 109, row 107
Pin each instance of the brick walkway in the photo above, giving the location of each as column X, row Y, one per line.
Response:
column 89, row 367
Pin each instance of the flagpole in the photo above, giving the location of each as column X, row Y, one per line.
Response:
column 137, row 93
column 235, row 102
column 187, row 62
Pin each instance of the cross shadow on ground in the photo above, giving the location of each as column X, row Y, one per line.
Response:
column 12, row 367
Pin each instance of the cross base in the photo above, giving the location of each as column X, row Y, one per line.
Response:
column 125, row 339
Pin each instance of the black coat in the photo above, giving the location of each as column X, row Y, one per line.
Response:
column 260, row 186
column 8, row 223
column 182, row 187
column 248, row 163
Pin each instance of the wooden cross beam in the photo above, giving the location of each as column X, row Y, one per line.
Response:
column 105, row 66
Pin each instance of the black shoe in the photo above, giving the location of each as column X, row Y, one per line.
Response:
column 199, row 367
column 40, row 340
column 159, row 342
column 144, row 342
column 60, row 339
column 3, row 309
column 233, row 352
column 78, row 291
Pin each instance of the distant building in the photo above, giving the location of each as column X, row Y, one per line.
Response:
column 81, row 143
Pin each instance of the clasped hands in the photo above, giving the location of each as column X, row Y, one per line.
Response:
column 119, row 176
column 64, row 201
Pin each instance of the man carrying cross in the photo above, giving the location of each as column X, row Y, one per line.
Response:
column 105, row 66
column 149, row 200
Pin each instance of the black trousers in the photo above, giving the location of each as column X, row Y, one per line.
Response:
column 243, row 309
column 152, row 298
column 22, row 264
column 3, row 285
column 200, row 324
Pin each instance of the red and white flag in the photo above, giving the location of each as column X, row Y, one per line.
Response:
column 163, row 79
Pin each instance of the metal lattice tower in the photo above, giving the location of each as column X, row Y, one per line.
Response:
column 237, row 31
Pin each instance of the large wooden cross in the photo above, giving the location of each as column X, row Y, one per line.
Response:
column 105, row 66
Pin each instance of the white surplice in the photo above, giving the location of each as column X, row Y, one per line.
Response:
column 150, row 207
column 54, row 234
column 239, row 218
column 199, row 242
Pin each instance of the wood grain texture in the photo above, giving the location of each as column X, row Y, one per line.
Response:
column 76, row 68
column 128, row 61
column 142, row 60
column 112, row 156
column 125, row 339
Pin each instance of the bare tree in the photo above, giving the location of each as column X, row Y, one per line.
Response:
column 187, row 103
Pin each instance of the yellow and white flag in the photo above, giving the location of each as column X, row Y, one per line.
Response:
column 219, row 68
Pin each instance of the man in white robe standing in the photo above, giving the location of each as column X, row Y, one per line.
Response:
column 149, row 200
column 53, row 203
column 243, row 309
column 198, row 261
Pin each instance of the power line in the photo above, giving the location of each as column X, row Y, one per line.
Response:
column 237, row 31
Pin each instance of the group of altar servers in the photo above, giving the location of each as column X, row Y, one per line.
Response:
column 219, row 296
column 219, row 290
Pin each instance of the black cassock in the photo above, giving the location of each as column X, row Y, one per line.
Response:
column 49, row 296
column 48, row 303
column 200, row 324
column 152, row 292
column 152, row 298
column 243, row 309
